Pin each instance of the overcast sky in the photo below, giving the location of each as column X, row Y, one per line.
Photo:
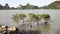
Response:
column 16, row 3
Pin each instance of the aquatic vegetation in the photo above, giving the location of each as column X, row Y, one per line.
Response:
column 32, row 19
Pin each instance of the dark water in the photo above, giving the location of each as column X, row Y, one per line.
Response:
column 5, row 17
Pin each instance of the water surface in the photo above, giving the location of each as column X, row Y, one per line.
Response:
column 5, row 17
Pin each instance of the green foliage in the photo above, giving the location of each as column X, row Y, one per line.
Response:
column 6, row 6
column 1, row 6
column 22, row 16
column 28, row 6
column 53, row 5
column 15, row 18
column 32, row 18
column 45, row 16
column 35, row 18
column 18, row 17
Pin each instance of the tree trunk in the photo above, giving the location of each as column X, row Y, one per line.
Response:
column 17, row 24
column 23, row 20
column 37, row 25
column 30, row 25
column 45, row 22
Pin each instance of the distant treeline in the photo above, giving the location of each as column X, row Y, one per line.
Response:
column 53, row 5
column 4, row 7
column 27, row 6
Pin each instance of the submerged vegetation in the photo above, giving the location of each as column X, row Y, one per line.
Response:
column 32, row 19
column 18, row 17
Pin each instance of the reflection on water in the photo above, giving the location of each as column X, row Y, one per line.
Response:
column 41, row 30
column 57, row 32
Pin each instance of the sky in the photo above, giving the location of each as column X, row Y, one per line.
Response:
column 16, row 3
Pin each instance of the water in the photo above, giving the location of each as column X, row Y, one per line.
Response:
column 5, row 17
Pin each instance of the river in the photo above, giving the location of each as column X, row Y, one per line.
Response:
column 5, row 17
